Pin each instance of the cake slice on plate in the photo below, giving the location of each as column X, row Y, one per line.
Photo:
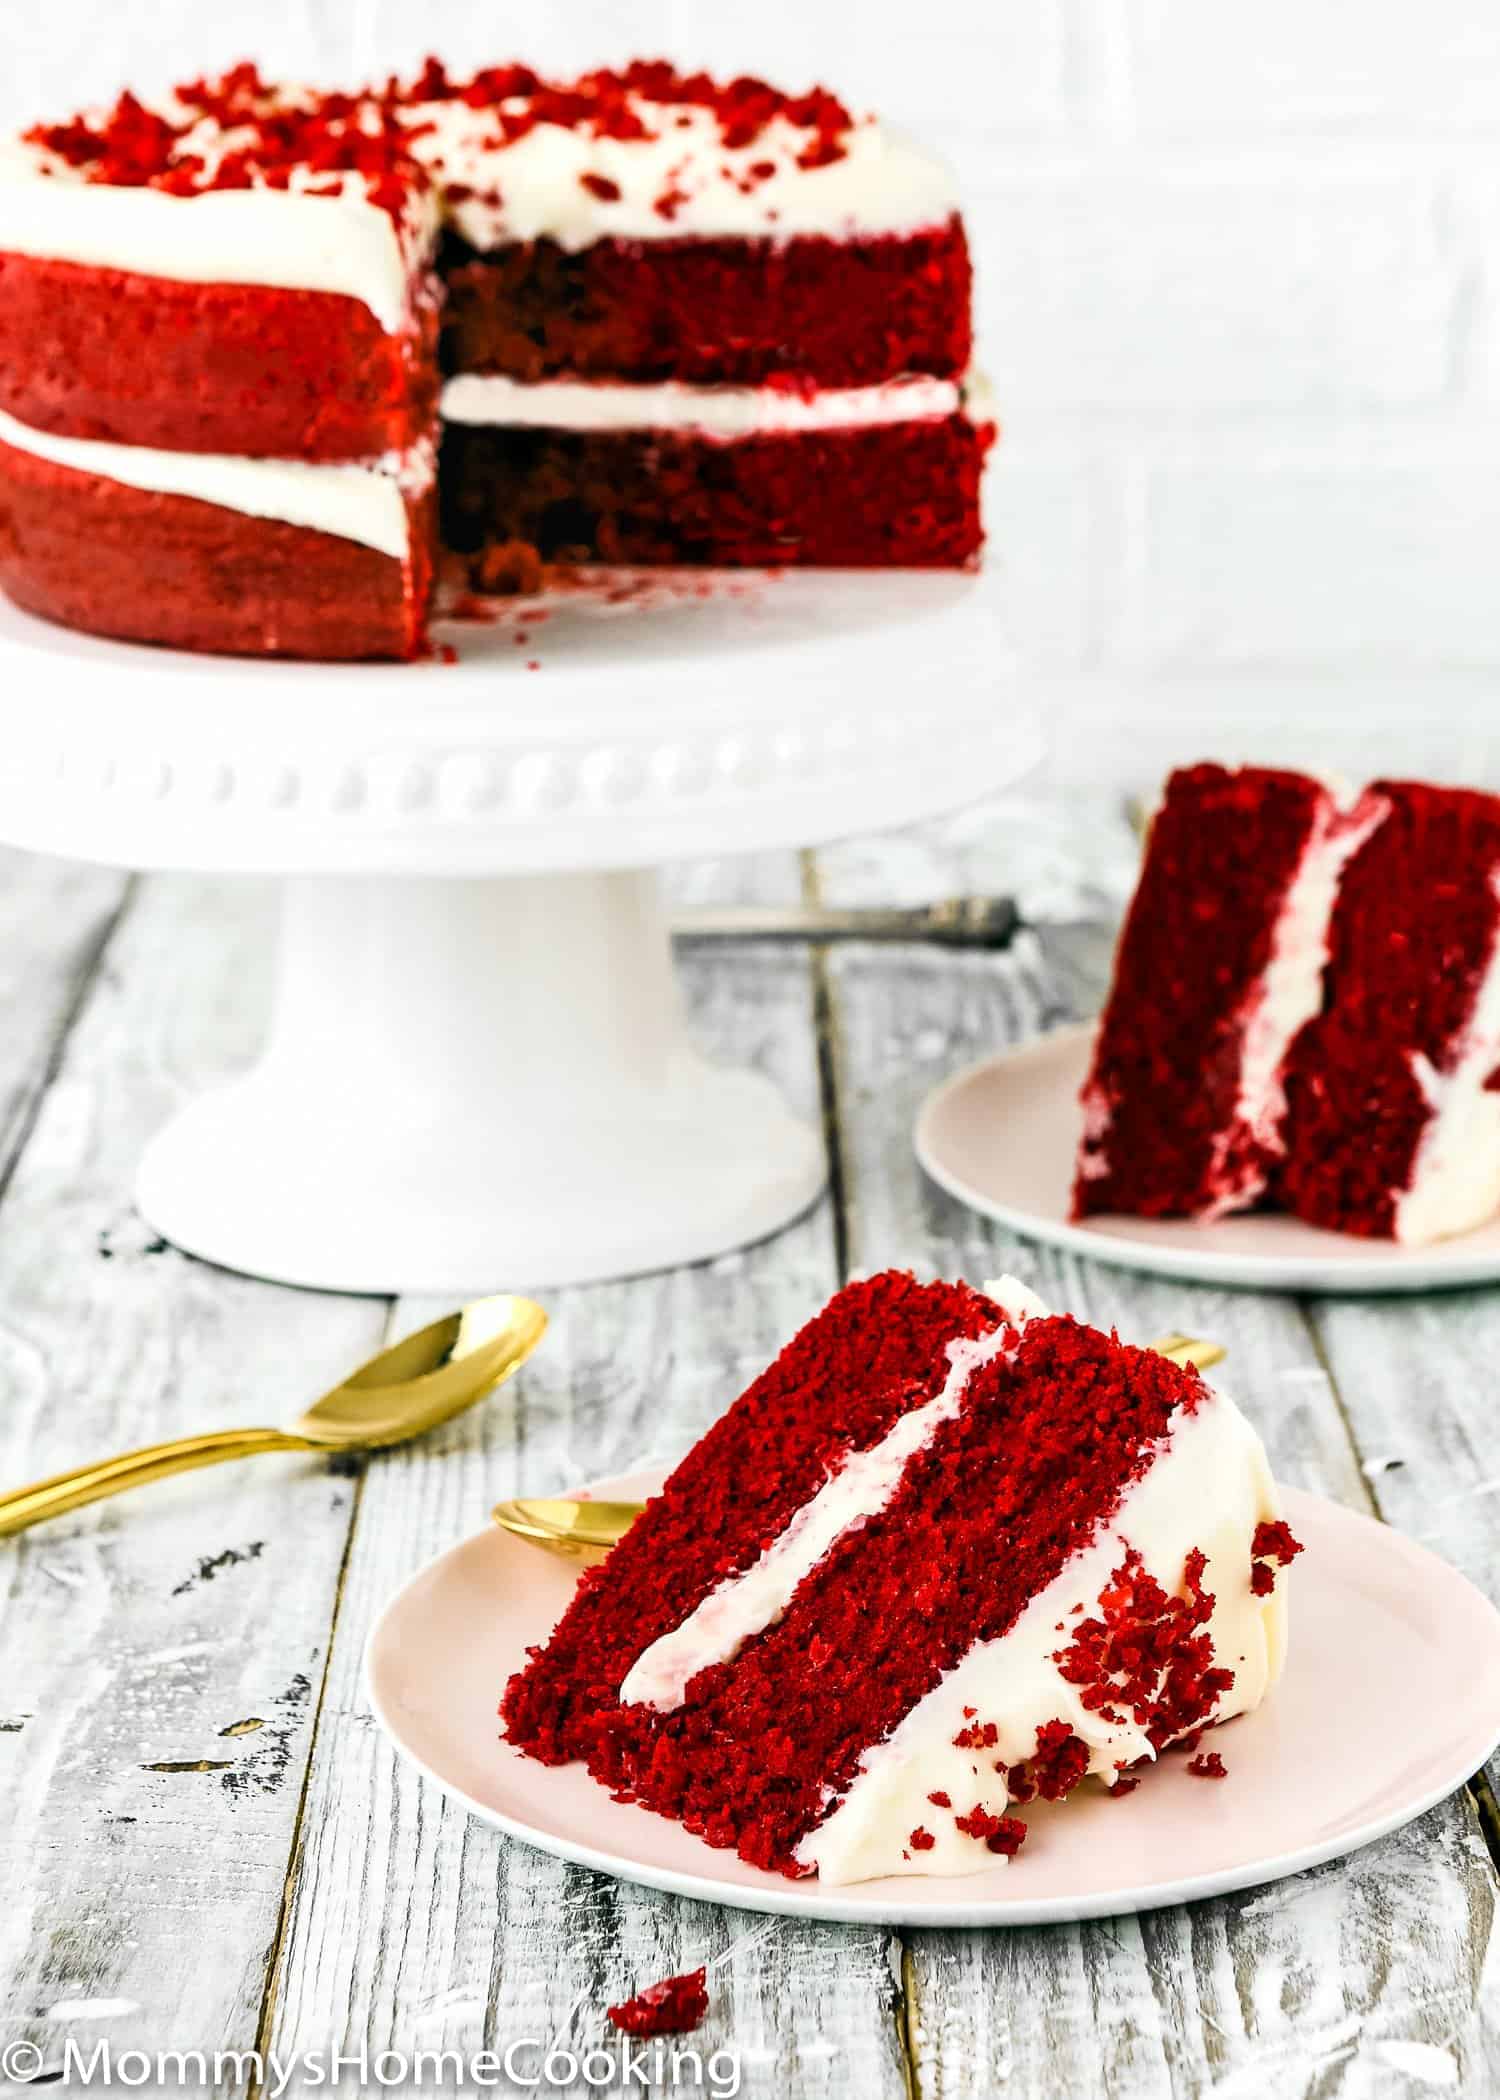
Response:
column 1305, row 1010
column 947, row 1554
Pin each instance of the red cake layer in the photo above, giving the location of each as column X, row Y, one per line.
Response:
column 113, row 560
column 809, row 309
column 986, row 1515
column 1161, row 1136
column 876, row 1349
column 98, row 353
column 902, row 494
column 1413, row 930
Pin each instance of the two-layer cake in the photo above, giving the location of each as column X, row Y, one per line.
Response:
column 265, row 352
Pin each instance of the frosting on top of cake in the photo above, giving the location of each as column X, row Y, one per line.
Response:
column 344, row 192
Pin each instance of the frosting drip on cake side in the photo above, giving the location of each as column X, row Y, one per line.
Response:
column 1455, row 1180
column 1208, row 1490
column 747, row 1603
column 364, row 501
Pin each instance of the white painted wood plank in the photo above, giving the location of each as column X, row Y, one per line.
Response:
column 55, row 921
column 1343, row 1976
column 412, row 1920
column 144, row 1849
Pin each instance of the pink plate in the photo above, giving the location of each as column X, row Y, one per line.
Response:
column 1390, row 1700
column 1001, row 1137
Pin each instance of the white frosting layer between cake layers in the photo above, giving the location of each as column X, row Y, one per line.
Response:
column 1455, row 1182
column 724, row 412
column 534, row 189
column 1209, row 1487
column 747, row 1603
column 363, row 501
column 283, row 238
column 1290, row 989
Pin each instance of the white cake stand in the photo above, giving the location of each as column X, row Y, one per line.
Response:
column 477, row 1070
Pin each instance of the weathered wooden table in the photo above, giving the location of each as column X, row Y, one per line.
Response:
column 208, row 1845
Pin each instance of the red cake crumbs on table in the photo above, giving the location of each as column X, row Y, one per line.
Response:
column 675, row 2006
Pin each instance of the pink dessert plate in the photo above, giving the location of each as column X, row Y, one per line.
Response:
column 1390, row 1700
column 1002, row 1137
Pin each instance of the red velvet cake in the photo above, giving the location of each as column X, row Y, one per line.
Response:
column 948, row 1554
column 1305, row 1010
column 642, row 317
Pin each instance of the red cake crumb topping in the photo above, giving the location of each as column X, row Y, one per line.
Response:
column 1209, row 1766
column 675, row 2006
column 273, row 135
column 923, row 1840
column 1272, row 1543
column 1003, row 1834
column 606, row 103
column 981, row 1736
column 940, row 1799
column 1060, row 1764
column 1145, row 1654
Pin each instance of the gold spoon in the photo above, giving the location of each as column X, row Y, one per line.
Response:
column 582, row 1527
column 401, row 1393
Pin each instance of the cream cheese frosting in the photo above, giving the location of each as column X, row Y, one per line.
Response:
column 545, row 185
column 365, row 501
column 283, row 238
column 1208, row 1487
column 724, row 412
column 555, row 182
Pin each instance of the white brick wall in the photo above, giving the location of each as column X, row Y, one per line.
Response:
column 1239, row 295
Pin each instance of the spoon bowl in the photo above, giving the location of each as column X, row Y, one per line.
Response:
column 426, row 1378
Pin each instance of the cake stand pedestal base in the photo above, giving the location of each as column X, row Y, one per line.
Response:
column 472, row 1084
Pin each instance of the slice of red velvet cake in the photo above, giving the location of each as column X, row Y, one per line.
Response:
column 946, row 1555
column 1219, row 965
column 1305, row 1011
column 682, row 322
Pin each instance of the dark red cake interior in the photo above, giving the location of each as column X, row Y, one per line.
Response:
column 809, row 311
column 895, row 494
column 1224, row 847
column 1412, row 934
